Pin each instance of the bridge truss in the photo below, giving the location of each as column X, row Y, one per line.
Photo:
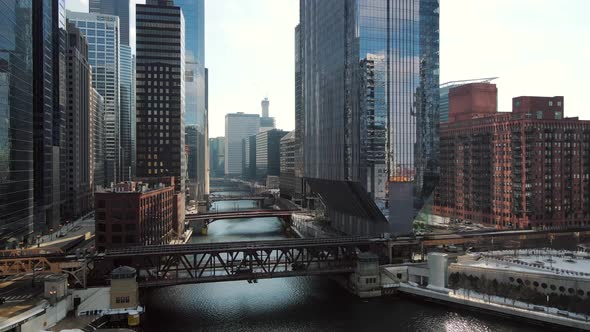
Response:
column 183, row 264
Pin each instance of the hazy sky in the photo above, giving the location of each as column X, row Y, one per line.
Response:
column 536, row 47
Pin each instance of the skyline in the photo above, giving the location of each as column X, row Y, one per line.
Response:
column 495, row 39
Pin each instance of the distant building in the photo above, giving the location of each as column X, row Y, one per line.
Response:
column 97, row 111
column 266, row 122
column 191, row 142
column 268, row 153
column 79, row 177
column 529, row 168
column 237, row 127
column 133, row 213
column 120, row 8
column 249, row 158
column 104, row 57
column 443, row 106
column 217, row 156
column 288, row 182
column 160, row 93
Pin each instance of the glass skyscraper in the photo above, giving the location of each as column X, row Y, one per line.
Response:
column 196, row 111
column 102, row 34
column 120, row 8
column 16, row 122
column 370, row 97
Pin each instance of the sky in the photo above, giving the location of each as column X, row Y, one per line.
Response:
column 535, row 47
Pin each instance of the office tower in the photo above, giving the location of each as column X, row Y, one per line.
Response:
column 268, row 153
column 48, row 109
column 266, row 122
column 217, row 156
column 299, row 117
column 443, row 106
column 190, row 140
column 237, row 127
column 121, row 8
column 160, row 95
column 370, row 97
column 249, row 158
column 287, row 181
column 79, row 140
column 97, row 111
column 16, row 127
column 529, row 168
column 127, row 96
column 102, row 35
column 195, row 80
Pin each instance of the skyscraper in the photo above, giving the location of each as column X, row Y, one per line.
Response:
column 217, row 156
column 48, row 109
column 16, row 126
column 268, row 153
column 195, row 80
column 160, row 90
column 79, row 119
column 266, row 122
column 370, row 97
column 102, row 35
column 97, row 111
column 123, row 9
column 237, row 127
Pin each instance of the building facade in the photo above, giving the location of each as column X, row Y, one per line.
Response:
column 237, row 127
column 97, row 111
column 195, row 80
column 136, row 213
column 538, row 175
column 121, row 8
column 443, row 105
column 287, row 182
column 160, row 94
column 49, row 111
column 102, row 35
column 370, row 72
column 217, row 157
column 268, row 153
column 16, row 129
column 80, row 145
column 249, row 158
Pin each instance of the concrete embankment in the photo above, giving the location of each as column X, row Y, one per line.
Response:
column 475, row 304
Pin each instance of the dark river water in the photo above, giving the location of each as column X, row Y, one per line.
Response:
column 296, row 304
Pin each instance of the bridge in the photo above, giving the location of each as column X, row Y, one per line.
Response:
column 215, row 198
column 209, row 217
column 212, row 262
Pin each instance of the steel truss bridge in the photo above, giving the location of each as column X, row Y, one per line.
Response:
column 239, row 215
column 215, row 198
column 198, row 263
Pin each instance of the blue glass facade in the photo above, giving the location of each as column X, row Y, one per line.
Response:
column 196, row 110
column 120, row 8
column 16, row 122
column 370, row 82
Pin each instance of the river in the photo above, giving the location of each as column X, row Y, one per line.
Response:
column 295, row 304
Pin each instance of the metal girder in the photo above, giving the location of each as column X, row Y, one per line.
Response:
column 244, row 264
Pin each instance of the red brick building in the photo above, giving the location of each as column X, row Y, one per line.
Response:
column 141, row 212
column 526, row 169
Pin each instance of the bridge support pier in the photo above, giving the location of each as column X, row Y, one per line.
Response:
column 365, row 281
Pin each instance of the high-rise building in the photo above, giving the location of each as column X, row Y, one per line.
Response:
column 370, row 97
column 268, row 153
column 121, row 8
column 48, row 109
column 443, row 105
column 190, row 140
column 160, row 93
column 97, row 111
column 79, row 198
column 249, row 158
column 217, row 156
column 237, row 127
column 266, row 122
column 16, row 127
column 299, row 119
column 102, row 35
column 529, row 168
column 288, row 182
column 195, row 81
